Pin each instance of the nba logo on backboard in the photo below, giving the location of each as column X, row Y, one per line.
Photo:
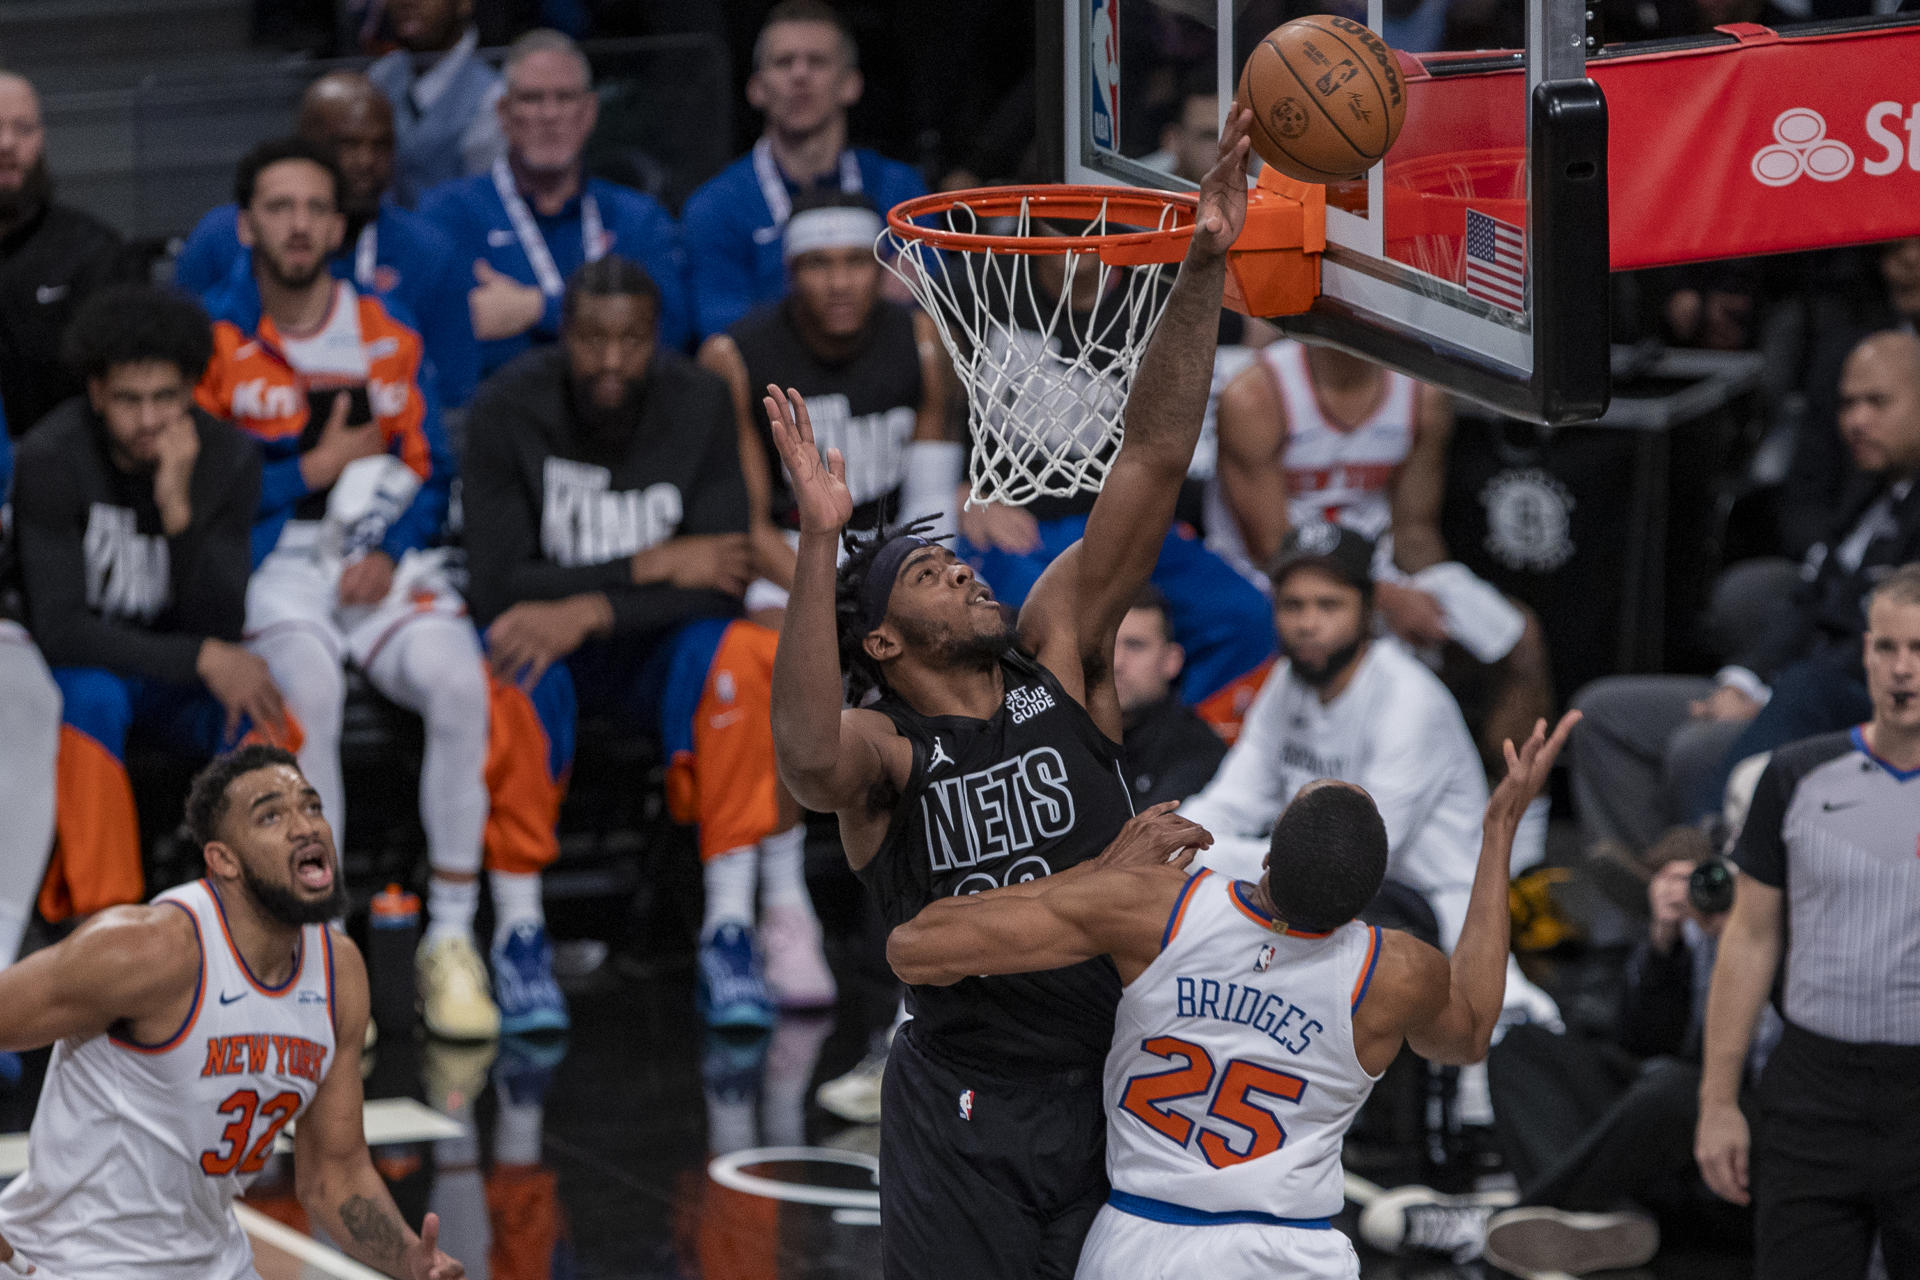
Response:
column 1264, row 961
column 1103, row 85
column 966, row 1104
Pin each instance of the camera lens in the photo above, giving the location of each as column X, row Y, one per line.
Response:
column 1710, row 887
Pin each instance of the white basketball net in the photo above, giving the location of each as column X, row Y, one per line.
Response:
column 1045, row 404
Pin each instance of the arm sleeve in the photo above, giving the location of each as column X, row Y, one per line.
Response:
column 52, row 518
column 1658, row 1005
column 720, row 263
column 1248, row 791
column 426, row 515
column 1409, row 773
column 1761, row 851
column 211, row 560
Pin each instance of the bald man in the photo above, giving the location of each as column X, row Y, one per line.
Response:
column 1797, row 676
column 51, row 257
column 387, row 249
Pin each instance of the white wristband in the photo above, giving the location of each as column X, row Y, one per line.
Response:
column 1745, row 681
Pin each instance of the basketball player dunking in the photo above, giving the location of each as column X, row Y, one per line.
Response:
column 991, row 759
column 1255, row 1021
column 187, row 1034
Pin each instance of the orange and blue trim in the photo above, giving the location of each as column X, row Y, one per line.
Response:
column 199, row 994
column 1180, row 904
column 1241, row 894
column 299, row 959
column 1365, row 980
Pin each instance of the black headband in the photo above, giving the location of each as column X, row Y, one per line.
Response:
column 877, row 590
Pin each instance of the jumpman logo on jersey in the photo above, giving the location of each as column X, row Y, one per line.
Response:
column 940, row 756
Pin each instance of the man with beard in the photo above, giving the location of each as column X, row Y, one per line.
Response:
column 1347, row 706
column 876, row 381
column 535, row 217
column 162, row 1102
column 354, row 494
column 991, row 758
column 608, row 555
column 386, row 249
column 806, row 77
column 134, row 511
column 51, row 257
column 443, row 96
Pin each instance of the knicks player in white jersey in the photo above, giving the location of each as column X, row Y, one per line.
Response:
column 1354, row 444
column 187, row 1034
column 1254, row 1022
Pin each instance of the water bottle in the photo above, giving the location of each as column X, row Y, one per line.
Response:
column 393, row 933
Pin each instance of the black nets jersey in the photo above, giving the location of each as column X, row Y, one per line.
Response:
column 1032, row 790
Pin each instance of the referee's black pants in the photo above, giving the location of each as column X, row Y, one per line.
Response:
column 982, row 1177
column 1836, row 1159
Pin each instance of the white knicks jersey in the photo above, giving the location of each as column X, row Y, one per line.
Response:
column 1232, row 1078
column 137, row 1151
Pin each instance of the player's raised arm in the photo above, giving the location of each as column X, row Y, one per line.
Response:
column 828, row 765
column 1459, row 1029
column 132, row 967
column 1090, row 588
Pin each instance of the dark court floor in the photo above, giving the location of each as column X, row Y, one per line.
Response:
column 592, row 1158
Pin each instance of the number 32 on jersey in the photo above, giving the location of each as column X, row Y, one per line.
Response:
column 1146, row 1098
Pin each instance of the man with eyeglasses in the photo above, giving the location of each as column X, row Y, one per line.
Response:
column 536, row 217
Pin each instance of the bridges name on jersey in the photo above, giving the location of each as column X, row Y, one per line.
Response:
column 584, row 520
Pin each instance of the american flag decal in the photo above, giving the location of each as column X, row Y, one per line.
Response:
column 1496, row 261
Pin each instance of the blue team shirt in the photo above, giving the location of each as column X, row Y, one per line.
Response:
column 733, row 238
column 470, row 212
column 415, row 265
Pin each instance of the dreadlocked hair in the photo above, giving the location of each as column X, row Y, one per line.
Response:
column 863, row 674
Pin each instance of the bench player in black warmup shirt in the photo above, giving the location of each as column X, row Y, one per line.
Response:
column 991, row 759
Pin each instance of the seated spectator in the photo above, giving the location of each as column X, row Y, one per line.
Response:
column 444, row 97
column 1348, row 441
column 355, row 490
column 874, row 376
column 1655, row 749
column 608, row 572
column 385, row 250
column 1598, row 1131
column 29, row 745
column 1169, row 753
column 135, row 509
column 51, row 257
column 806, row 76
column 1220, row 619
column 532, row 219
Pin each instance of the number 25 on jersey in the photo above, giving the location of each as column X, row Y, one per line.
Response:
column 1146, row 1098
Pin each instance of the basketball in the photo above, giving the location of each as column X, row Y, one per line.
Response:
column 1327, row 98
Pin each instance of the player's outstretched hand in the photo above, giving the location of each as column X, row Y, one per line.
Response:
column 819, row 489
column 1223, row 192
column 1527, row 770
column 424, row 1259
column 1156, row 837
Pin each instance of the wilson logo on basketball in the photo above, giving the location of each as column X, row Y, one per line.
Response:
column 1802, row 147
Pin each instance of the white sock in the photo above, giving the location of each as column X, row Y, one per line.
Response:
column 783, row 869
column 729, row 879
column 516, row 1134
column 450, row 907
column 516, row 901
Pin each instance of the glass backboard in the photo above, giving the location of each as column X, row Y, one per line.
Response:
column 1474, row 256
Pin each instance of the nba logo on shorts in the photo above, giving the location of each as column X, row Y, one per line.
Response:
column 1264, row 961
column 966, row 1104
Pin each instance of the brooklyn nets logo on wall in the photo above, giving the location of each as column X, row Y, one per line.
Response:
column 1529, row 520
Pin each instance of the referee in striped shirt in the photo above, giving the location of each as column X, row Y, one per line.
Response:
column 1830, row 856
